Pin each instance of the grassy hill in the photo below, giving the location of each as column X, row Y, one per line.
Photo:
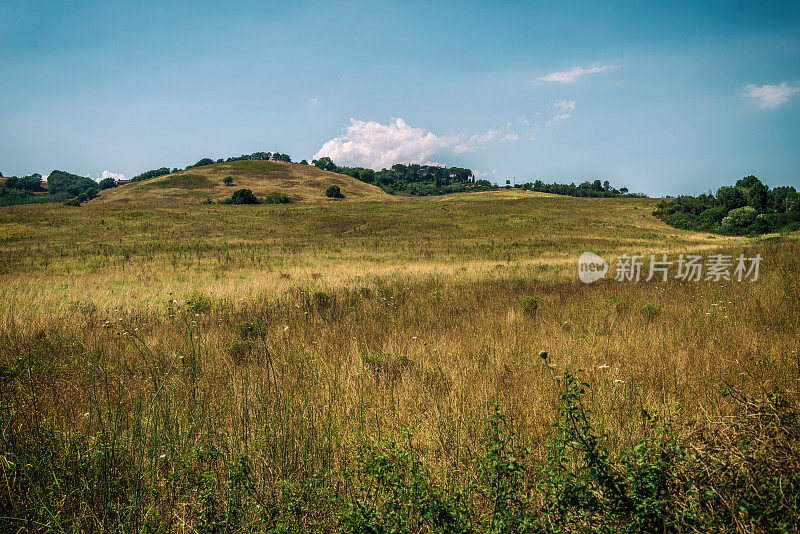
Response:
column 302, row 183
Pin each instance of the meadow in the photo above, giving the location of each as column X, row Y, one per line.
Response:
column 424, row 365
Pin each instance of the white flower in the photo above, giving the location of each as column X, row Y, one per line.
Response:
column 604, row 367
column 285, row 327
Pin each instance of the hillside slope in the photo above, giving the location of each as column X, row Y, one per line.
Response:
column 302, row 183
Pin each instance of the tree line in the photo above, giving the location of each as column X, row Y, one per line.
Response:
column 61, row 186
column 746, row 208
column 595, row 189
column 413, row 178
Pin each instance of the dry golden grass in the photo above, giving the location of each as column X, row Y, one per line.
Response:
column 132, row 257
column 372, row 317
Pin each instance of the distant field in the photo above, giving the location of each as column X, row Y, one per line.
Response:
column 105, row 250
column 168, row 364
column 302, row 183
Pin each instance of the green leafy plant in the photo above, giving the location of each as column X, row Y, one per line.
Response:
column 529, row 305
column 333, row 191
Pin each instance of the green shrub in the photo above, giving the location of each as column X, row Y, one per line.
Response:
column 228, row 180
column 87, row 195
column 739, row 220
column 242, row 196
column 529, row 305
column 650, row 311
column 333, row 191
column 712, row 216
column 277, row 198
column 72, row 202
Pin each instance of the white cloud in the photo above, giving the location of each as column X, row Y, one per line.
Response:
column 770, row 96
column 463, row 149
column 379, row 146
column 479, row 174
column 564, row 109
column 313, row 101
column 571, row 75
column 109, row 174
column 489, row 135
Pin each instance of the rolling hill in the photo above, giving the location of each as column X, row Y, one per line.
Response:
column 302, row 183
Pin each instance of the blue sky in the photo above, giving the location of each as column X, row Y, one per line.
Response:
column 664, row 98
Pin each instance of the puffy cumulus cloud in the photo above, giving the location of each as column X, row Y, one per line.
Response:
column 377, row 146
column 770, row 96
column 109, row 174
column 313, row 101
column 571, row 75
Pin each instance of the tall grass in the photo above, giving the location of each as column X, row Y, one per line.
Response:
column 220, row 381
column 215, row 410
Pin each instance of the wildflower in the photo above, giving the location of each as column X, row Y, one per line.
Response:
column 619, row 381
column 86, row 414
column 604, row 367
column 285, row 327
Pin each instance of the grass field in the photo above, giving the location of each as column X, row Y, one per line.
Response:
column 360, row 366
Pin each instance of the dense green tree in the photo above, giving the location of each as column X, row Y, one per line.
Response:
column 757, row 196
column 781, row 197
column 731, row 197
column 66, row 185
column 152, row 174
column 202, row 162
column 325, row 163
column 107, row 183
column 228, row 180
column 747, row 182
